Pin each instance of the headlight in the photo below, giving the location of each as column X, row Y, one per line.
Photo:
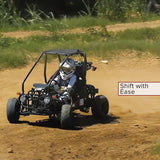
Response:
column 47, row 100
column 23, row 98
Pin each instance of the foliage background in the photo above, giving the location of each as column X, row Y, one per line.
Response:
column 110, row 8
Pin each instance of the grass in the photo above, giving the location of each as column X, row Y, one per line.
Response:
column 53, row 24
column 19, row 52
column 156, row 149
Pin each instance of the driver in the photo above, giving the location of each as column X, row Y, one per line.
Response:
column 65, row 80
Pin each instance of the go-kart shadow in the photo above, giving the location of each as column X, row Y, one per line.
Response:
column 80, row 121
column 89, row 120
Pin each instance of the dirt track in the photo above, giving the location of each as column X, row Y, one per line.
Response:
column 130, row 131
column 110, row 28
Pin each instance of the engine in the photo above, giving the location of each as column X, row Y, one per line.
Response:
column 40, row 102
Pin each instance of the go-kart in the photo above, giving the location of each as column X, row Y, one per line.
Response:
column 43, row 99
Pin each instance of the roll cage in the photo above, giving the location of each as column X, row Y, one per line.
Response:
column 59, row 53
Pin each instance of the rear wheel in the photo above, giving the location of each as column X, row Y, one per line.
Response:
column 100, row 107
column 13, row 108
column 66, row 116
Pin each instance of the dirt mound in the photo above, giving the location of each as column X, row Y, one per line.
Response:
column 129, row 132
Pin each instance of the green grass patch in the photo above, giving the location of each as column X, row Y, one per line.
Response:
column 53, row 24
column 10, row 60
column 19, row 52
column 156, row 149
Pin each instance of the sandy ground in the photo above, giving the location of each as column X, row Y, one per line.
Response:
column 129, row 132
column 110, row 28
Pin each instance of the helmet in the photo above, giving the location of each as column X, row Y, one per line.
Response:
column 67, row 69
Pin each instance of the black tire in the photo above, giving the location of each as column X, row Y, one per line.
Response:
column 66, row 117
column 13, row 108
column 100, row 107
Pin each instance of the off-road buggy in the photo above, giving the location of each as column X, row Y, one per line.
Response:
column 42, row 98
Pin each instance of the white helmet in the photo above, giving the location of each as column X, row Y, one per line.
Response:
column 67, row 69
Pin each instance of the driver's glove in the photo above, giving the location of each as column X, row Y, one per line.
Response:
column 56, row 86
column 63, row 99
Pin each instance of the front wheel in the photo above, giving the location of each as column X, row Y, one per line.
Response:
column 100, row 106
column 13, row 108
column 66, row 116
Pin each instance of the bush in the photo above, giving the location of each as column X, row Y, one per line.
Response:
column 9, row 15
column 121, row 9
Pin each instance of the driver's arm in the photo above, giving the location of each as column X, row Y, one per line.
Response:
column 56, row 82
